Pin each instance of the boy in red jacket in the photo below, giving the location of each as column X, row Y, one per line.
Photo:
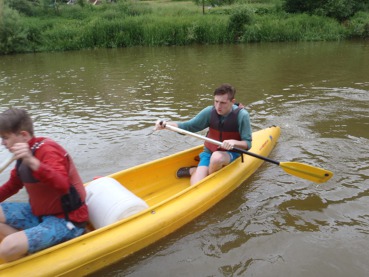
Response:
column 56, row 211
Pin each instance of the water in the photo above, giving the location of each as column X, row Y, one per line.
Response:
column 101, row 105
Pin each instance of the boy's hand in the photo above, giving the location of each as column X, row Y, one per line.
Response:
column 160, row 125
column 22, row 151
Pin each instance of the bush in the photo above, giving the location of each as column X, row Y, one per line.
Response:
column 338, row 9
column 111, row 34
column 294, row 28
column 22, row 6
column 63, row 36
column 34, row 7
column 238, row 21
column 359, row 26
column 214, row 3
column 131, row 23
column 13, row 35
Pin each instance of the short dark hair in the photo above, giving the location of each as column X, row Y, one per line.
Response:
column 226, row 89
column 15, row 120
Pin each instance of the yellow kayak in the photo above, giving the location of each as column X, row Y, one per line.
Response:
column 133, row 208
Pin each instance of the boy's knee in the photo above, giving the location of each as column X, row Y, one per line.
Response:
column 219, row 158
column 216, row 157
column 13, row 247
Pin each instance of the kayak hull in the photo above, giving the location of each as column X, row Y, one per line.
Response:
column 172, row 203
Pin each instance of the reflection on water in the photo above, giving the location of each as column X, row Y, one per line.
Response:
column 101, row 105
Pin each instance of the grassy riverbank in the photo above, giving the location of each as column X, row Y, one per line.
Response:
column 158, row 23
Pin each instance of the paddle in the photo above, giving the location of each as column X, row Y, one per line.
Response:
column 6, row 164
column 308, row 172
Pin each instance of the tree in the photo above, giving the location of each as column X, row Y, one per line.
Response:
column 12, row 31
column 22, row 6
column 238, row 22
column 338, row 9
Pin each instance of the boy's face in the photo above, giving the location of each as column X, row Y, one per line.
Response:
column 222, row 104
column 9, row 139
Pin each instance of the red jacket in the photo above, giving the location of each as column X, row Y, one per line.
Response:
column 46, row 185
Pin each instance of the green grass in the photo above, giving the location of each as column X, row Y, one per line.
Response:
column 294, row 28
column 159, row 23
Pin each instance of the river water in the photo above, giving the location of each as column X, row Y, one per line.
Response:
column 101, row 105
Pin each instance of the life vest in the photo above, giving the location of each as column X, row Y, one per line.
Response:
column 228, row 129
column 45, row 199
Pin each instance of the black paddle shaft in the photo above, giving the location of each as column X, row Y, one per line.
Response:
column 242, row 151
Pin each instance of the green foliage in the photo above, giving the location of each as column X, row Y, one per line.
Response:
column 214, row 3
column 35, row 30
column 130, row 23
column 12, row 32
column 359, row 26
column 168, row 32
column 22, row 6
column 75, row 12
column 63, row 36
column 34, row 7
column 338, row 9
column 112, row 33
column 294, row 28
column 238, row 21
column 208, row 30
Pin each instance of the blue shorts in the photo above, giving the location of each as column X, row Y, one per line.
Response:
column 205, row 157
column 50, row 231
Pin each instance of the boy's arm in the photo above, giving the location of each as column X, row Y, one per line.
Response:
column 199, row 122
column 245, row 127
